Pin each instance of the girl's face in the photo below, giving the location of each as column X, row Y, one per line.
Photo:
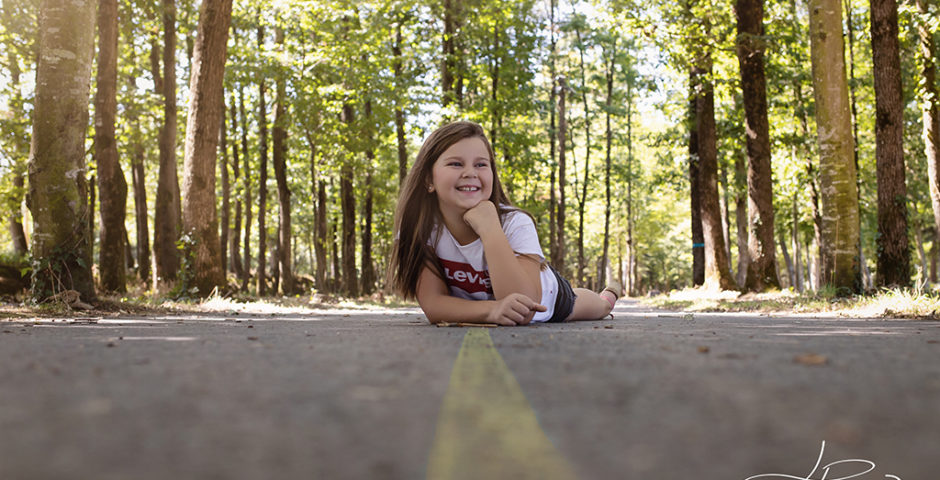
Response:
column 462, row 176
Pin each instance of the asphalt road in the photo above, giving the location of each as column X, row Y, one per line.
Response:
column 381, row 394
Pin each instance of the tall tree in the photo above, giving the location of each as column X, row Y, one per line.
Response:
column 930, row 111
column 695, row 182
column 894, row 256
column 202, row 136
column 225, row 214
column 246, row 186
column 838, row 190
column 57, row 197
column 279, row 145
column 235, row 236
column 166, row 218
column 348, row 203
column 111, row 183
column 582, row 199
column 262, row 175
column 717, row 270
column 560, row 250
column 762, row 269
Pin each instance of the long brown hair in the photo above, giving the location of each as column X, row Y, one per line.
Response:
column 418, row 212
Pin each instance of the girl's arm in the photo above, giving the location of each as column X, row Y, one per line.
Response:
column 509, row 273
column 440, row 306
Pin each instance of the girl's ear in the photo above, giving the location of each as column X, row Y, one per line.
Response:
column 430, row 188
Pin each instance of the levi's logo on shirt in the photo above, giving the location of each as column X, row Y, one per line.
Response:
column 463, row 276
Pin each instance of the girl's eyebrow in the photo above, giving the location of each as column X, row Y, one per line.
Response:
column 458, row 157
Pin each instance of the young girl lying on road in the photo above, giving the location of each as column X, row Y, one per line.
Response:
column 466, row 253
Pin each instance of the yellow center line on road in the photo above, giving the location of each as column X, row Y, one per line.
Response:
column 486, row 428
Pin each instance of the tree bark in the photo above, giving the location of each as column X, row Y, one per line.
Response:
column 17, row 233
column 246, row 253
column 225, row 216
column 582, row 201
column 138, row 176
column 741, row 216
column 695, row 183
column 717, row 272
column 560, row 250
column 399, row 111
column 609, row 74
column 260, row 288
column 235, row 236
column 167, row 215
column 202, row 137
column 57, row 196
column 279, row 144
column 348, row 200
column 112, row 186
column 552, row 138
column 761, row 271
column 930, row 113
column 368, row 270
column 894, row 256
column 838, row 192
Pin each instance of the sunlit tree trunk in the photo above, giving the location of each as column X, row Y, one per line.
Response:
column 761, row 271
column 246, row 186
column 368, row 269
column 202, row 137
column 138, row 177
column 582, row 200
column 167, row 216
column 894, row 256
column 838, row 192
column 58, row 195
column 609, row 76
column 930, row 113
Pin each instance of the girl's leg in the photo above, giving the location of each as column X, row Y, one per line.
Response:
column 591, row 305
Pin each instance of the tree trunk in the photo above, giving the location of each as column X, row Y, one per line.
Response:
column 740, row 214
column 894, row 256
column 17, row 234
column 839, row 194
column 57, row 196
column 202, row 137
column 930, row 112
column 112, row 186
column 235, row 236
column 167, row 216
column 791, row 274
column 281, row 120
column 695, row 184
column 630, row 254
column 797, row 250
column 348, row 200
column 246, row 253
column 582, row 203
column 225, row 216
column 138, row 175
column 368, row 270
column 399, row 111
column 559, row 262
column 448, row 53
column 853, row 100
column 762, row 271
column 322, row 238
column 609, row 140
column 552, row 138
column 717, row 273
column 262, row 178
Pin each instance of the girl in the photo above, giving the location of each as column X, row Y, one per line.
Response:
column 466, row 253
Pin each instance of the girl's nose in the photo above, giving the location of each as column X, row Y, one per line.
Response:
column 469, row 173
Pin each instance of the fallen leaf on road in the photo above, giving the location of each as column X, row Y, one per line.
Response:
column 811, row 359
column 704, row 349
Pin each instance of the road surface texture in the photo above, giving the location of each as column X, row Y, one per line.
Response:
column 376, row 394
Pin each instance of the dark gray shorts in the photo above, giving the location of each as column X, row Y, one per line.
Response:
column 564, row 301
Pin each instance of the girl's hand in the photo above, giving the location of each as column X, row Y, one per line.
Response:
column 515, row 309
column 482, row 218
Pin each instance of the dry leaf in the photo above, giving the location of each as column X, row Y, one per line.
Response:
column 811, row 359
column 703, row 349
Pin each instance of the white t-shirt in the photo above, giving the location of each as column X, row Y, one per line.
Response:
column 465, row 269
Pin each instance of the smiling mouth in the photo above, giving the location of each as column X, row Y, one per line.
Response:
column 468, row 189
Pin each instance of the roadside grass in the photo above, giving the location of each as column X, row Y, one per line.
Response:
column 888, row 303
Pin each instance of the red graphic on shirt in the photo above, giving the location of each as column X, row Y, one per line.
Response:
column 463, row 276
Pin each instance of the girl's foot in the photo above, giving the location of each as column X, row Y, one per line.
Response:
column 612, row 292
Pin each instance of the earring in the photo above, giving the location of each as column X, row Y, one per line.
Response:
column 430, row 188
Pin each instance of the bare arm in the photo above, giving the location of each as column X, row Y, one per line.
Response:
column 440, row 306
column 509, row 273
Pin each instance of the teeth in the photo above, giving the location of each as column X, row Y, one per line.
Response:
column 468, row 189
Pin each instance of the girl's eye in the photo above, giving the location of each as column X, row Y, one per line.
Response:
column 482, row 164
